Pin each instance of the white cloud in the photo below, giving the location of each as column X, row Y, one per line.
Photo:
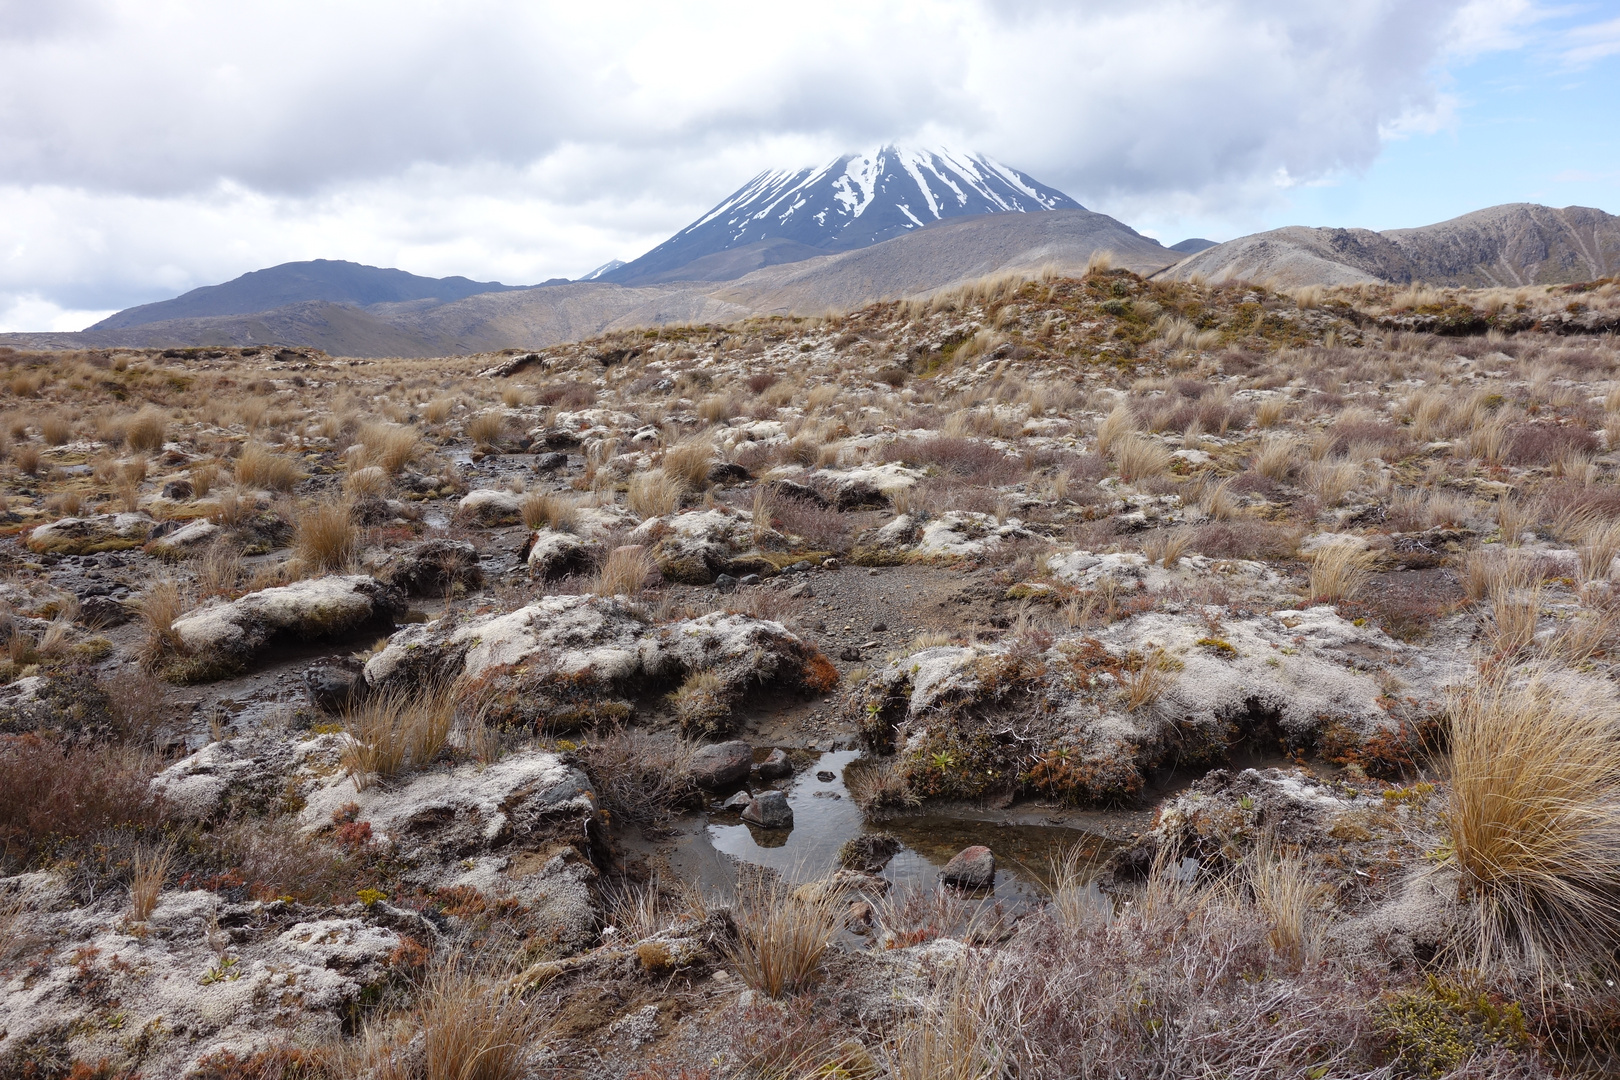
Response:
column 1588, row 44
column 154, row 145
column 32, row 312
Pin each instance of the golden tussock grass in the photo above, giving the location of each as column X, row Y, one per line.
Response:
column 542, row 511
column 782, row 935
column 146, row 883
column 146, row 431
column 438, row 410
column 55, row 429
column 258, row 467
column 26, row 456
column 690, row 462
column 1532, row 813
column 484, row 430
column 1142, row 688
column 654, row 494
column 160, row 605
column 624, row 572
column 1288, row 896
column 1339, row 572
column 1114, row 427
column 325, row 539
column 393, row 730
column 389, row 447
column 1276, row 457
column 1139, row 458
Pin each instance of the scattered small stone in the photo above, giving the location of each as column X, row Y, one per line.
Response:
column 738, row 802
column 971, row 868
column 825, row 777
column 724, row 583
column 801, row 591
column 769, row 810
column 850, row 653
column 879, row 627
column 748, row 579
column 550, row 462
column 830, row 564
column 720, row 764
column 98, row 612
column 872, row 572
column 178, row 489
column 859, row 917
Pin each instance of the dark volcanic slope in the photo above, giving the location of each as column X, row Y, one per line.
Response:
column 852, row 202
column 328, row 280
column 1510, row 245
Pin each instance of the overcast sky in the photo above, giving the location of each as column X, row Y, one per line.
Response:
column 150, row 146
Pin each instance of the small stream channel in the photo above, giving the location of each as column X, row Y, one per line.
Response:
column 824, row 817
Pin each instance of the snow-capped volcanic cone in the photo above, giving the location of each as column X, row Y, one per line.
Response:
column 852, row 202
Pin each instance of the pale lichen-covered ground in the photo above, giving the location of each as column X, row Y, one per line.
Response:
column 352, row 707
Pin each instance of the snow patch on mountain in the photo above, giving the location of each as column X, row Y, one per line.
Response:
column 854, row 201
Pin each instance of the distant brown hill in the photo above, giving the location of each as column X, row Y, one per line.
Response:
column 1510, row 245
column 915, row 263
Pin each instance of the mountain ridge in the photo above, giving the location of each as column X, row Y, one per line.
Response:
column 1508, row 245
column 916, row 263
column 328, row 280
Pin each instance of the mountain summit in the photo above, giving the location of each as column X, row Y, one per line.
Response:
column 852, row 202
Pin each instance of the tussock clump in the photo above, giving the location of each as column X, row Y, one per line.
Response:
column 654, row 494
column 1339, row 572
column 1533, row 816
column 782, row 935
column 257, row 467
column 393, row 730
column 325, row 539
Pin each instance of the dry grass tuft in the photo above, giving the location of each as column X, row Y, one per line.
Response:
column 541, row 511
column 160, row 605
column 389, row 447
column 393, row 730
column 147, row 431
column 1533, row 816
column 473, row 1029
column 1114, row 427
column 151, row 870
column 1276, row 457
column 654, row 494
column 1287, row 895
column 1139, row 458
column 259, row 468
column 1143, row 687
column 325, row 539
column 55, row 429
column 484, row 430
column 438, row 410
column 689, row 462
column 1339, row 572
column 624, row 572
column 781, row 936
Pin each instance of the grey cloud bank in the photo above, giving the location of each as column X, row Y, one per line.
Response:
column 150, row 150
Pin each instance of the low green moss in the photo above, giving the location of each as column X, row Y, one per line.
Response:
column 1435, row 1028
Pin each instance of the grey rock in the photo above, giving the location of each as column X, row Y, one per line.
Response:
column 724, row 583
column 748, row 579
column 335, row 685
column 775, row 766
column 769, row 810
column 550, row 462
column 720, row 764
column 99, row 612
column 432, row 567
column 178, row 489
column 971, row 868
column 728, row 472
column 738, row 802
